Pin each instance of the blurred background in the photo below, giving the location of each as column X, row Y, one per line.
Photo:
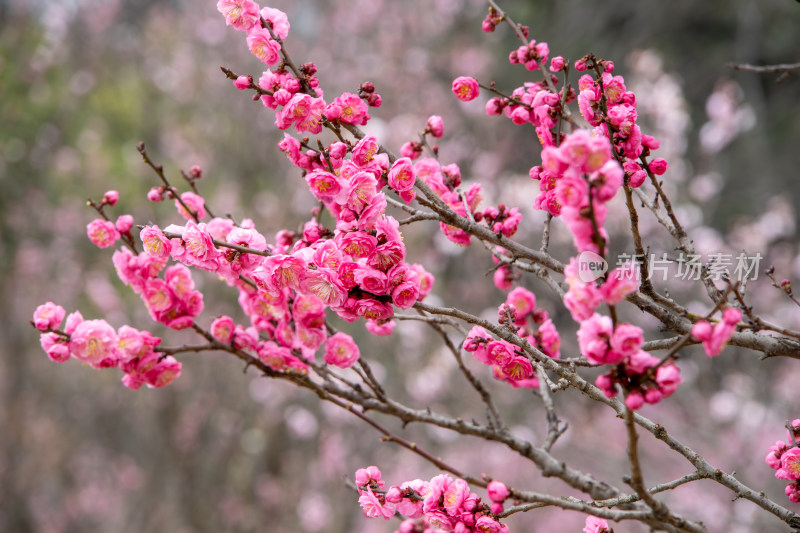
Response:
column 83, row 81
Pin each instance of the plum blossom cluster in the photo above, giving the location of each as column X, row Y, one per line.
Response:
column 96, row 344
column 532, row 103
column 577, row 179
column 441, row 504
column 643, row 377
column 508, row 364
column 445, row 181
column 583, row 296
column 715, row 338
column 784, row 458
column 102, row 232
column 300, row 99
column 606, row 104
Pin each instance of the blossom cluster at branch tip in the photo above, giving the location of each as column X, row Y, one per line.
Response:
column 96, row 344
column 606, row 104
column 443, row 503
column 506, row 360
column 715, row 338
column 784, row 458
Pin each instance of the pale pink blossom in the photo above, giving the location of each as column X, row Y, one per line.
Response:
column 93, row 341
column 163, row 373
column 241, row 14
column 639, row 362
column 73, row 319
column 365, row 475
column 263, row 46
column 199, row 247
column 380, row 327
column 48, row 316
column 195, row 203
column 620, row 282
column 372, row 506
column 222, row 329
column 325, row 285
column 155, row 242
column 278, row 19
column 581, row 300
column 453, row 498
column 55, row 346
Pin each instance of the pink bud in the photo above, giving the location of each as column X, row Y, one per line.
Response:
column 658, row 166
column 110, row 197
column 557, row 64
column 155, row 194
column 394, row 495
column 124, row 223
column 436, row 126
column 242, row 83
column 497, row 491
column 634, row 400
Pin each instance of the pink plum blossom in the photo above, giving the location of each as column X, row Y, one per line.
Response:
column 195, row 203
column 93, row 341
column 465, row 88
column 790, row 465
column 48, row 316
column 263, row 46
column 102, row 233
column 241, row 14
column 278, row 19
column 595, row 524
column 341, row 351
column 222, row 329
